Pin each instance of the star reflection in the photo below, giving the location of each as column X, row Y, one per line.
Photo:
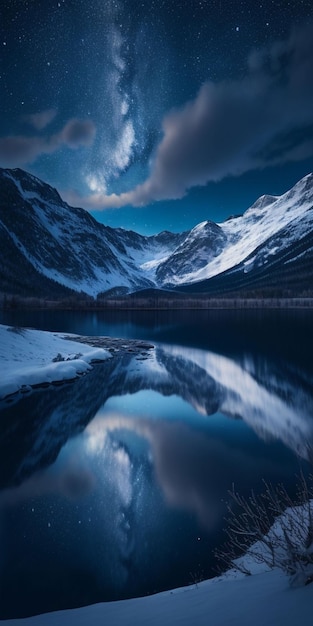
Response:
column 146, row 479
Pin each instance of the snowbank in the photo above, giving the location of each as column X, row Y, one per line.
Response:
column 259, row 600
column 33, row 357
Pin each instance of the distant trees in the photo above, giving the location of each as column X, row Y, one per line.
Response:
column 81, row 301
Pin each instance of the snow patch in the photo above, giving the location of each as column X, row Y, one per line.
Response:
column 32, row 357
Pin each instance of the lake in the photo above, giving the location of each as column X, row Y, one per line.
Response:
column 116, row 485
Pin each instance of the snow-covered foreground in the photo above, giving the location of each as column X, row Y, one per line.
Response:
column 259, row 600
column 26, row 358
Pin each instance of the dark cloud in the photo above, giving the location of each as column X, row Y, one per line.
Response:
column 42, row 119
column 77, row 133
column 235, row 126
column 21, row 150
column 227, row 128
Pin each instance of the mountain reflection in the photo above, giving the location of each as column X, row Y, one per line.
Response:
column 272, row 398
column 131, row 466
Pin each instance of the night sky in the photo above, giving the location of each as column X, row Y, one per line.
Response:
column 158, row 114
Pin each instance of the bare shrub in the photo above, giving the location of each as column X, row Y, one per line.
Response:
column 285, row 543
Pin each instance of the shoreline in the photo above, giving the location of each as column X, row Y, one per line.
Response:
column 67, row 357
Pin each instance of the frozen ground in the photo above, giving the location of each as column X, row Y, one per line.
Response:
column 263, row 599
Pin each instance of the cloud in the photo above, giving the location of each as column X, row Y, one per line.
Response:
column 20, row 150
column 96, row 201
column 42, row 119
column 76, row 133
column 232, row 127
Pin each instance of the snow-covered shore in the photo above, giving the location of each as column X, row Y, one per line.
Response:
column 27, row 358
column 31, row 358
column 259, row 600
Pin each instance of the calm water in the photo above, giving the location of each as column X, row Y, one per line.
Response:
column 116, row 485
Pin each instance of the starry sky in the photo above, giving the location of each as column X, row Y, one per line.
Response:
column 158, row 114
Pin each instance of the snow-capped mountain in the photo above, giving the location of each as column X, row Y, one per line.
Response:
column 272, row 229
column 49, row 247
column 203, row 243
column 41, row 234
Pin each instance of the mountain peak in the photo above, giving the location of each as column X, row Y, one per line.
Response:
column 263, row 201
column 308, row 178
column 45, row 244
column 29, row 185
column 301, row 188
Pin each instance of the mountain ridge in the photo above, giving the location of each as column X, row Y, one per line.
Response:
column 50, row 247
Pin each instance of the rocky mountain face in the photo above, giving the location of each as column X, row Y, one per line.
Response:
column 50, row 248
column 202, row 243
column 270, row 247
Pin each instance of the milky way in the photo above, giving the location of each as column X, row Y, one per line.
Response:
column 186, row 109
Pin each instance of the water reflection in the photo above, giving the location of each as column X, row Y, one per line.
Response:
column 276, row 400
column 117, row 485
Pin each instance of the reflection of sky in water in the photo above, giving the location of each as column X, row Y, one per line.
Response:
column 135, row 502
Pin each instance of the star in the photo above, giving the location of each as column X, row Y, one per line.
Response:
column 124, row 66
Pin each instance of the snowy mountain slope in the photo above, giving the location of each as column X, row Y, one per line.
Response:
column 265, row 218
column 48, row 247
column 203, row 243
column 67, row 245
column 284, row 262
